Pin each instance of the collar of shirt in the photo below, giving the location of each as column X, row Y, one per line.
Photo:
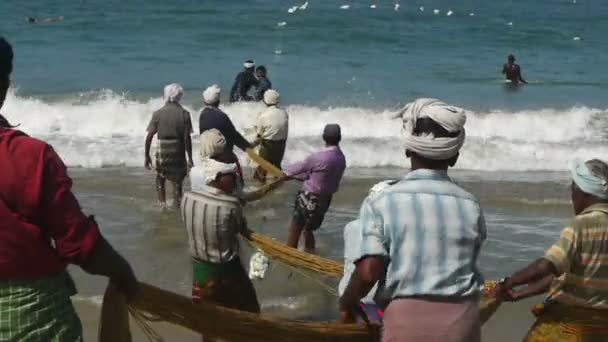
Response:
column 603, row 207
column 330, row 148
column 428, row 174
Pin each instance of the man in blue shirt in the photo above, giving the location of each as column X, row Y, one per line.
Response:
column 424, row 233
column 213, row 117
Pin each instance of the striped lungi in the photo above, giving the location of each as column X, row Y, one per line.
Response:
column 171, row 160
column 39, row 310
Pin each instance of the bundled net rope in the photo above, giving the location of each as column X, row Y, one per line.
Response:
column 298, row 259
column 154, row 304
column 294, row 257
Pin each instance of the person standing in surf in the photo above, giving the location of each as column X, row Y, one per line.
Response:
column 512, row 71
column 263, row 83
column 213, row 217
column 243, row 82
column 321, row 172
column 173, row 126
column 213, row 117
column 423, row 235
column 271, row 128
column 42, row 230
column 577, row 263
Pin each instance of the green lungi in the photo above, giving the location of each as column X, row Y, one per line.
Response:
column 226, row 284
column 273, row 151
column 39, row 310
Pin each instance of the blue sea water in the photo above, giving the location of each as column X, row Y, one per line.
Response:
column 97, row 76
column 323, row 55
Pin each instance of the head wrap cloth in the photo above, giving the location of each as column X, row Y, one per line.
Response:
column 173, row 92
column 211, row 168
column 588, row 182
column 211, row 95
column 451, row 118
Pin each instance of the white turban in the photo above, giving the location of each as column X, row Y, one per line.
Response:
column 451, row 118
column 211, row 95
column 173, row 92
column 211, row 168
column 271, row 97
column 213, row 143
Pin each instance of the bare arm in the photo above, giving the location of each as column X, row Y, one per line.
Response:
column 148, row 162
column 536, row 275
column 533, row 289
column 520, row 77
column 368, row 272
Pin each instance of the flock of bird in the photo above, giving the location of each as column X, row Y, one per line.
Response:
column 304, row 6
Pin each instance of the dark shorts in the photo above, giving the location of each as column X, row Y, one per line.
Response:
column 309, row 210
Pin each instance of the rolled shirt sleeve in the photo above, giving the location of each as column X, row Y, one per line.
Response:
column 562, row 253
column 373, row 238
column 74, row 233
column 304, row 166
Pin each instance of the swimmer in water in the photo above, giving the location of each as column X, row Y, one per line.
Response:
column 32, row 20
column 512, row 71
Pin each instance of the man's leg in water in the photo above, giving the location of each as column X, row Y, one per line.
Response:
column 160, row 189
column 178, row 192
column 309, row 241
column 295, row 230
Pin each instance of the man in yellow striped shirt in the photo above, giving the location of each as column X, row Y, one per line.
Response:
column 576, row 267
column 580, row 257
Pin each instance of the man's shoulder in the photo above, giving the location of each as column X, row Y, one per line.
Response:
column 18, row 138
column 442, row 188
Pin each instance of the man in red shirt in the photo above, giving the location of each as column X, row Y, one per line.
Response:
column 42, row 229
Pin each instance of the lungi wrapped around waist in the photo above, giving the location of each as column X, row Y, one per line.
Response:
column 558, row 322
column 39, row 310
column 226, row 284
column 171, row 159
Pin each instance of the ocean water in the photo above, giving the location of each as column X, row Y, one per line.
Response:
column 89, row 84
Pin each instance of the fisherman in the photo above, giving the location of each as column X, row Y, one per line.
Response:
column 372, row 304
column 244, row 81
column 578, row 262
column 263, row 83
column 214, row 218
column 321, row 172
column 424, row 235
column 272, row 127
column 213, row 117
column 42, row 229
column 512, row 71
column 32, row 20
column 173, row 125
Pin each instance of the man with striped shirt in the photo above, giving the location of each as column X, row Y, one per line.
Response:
column 425, row 233
column 213, row 217
column 578, row 261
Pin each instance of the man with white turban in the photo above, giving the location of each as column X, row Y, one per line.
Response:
column 212, row 117
column 575, row 268
column 214, row 218
column 173, row 126
column 423, row 234
column 243, row 82
column 271, row 128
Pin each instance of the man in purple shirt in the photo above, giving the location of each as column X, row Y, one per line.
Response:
column 321, row 173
